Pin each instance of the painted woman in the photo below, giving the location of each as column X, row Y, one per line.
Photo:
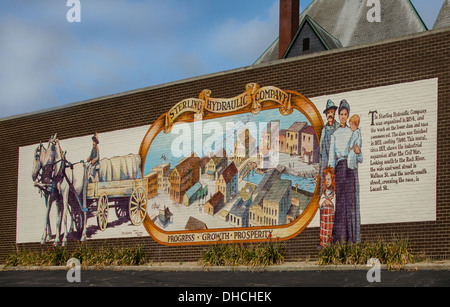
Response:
column 344, row 229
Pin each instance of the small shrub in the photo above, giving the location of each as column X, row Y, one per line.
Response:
column 88, row 256
column 263, row 254
column 394, row 254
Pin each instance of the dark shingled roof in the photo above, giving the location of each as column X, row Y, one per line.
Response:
column 328, row 40
column 229, row 172
column 216, row 199
column 346, row 21
column 195, row 224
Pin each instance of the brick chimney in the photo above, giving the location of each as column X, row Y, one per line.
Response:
column 289, row 18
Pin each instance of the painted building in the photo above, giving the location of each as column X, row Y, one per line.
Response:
column 166, row 181
column 239, row 213
column 192, row 194
column 227, row 183
column 256, row 212
column 216, row 165
column 294, row 138
column 282, row 140
column 310, row 146
column 161, row 169
column 165, row 216
column 276, row 203
column 152, row 188
column 215, row 203
column 183, row 177
column 244, row 147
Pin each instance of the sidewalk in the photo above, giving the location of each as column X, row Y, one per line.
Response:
column 285, row 267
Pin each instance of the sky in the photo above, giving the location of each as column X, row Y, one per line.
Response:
column 47, row 61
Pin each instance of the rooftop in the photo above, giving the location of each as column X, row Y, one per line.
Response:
column 216, row 199
column 346, row 22
column 229, row 172
column 443, row 19
column 277, row 191
column 297, row 126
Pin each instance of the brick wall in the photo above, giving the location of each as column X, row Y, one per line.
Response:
column 411, row 58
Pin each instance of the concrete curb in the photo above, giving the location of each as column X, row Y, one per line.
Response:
column 193, row 266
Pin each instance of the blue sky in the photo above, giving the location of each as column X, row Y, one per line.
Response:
column 119, row 45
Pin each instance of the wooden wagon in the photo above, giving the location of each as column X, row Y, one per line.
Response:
column 129, row 198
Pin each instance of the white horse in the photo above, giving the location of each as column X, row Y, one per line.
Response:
column 41, row 175
column 69, row 180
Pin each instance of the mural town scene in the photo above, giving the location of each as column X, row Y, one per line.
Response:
column 266, row 178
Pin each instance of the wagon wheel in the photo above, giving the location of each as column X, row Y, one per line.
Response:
column 138, row 206
column 122, row 210
column 102, row 212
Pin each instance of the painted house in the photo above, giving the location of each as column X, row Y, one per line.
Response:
column 203, row 165
column 161, row 169
column 227, row 183
column 294, row 138
column 276, row 203
column 256, row 214
column 183, row 177
column 192, row 194
column 310, row 146
column 152, row 187
column 165, row 216
column 239, row 213
column 166, row 181
column 216, row 165
column 214, row 204
column 282, row 140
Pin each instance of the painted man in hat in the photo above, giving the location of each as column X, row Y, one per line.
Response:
column 93, row 160
column 330, row 126
column 92, row 166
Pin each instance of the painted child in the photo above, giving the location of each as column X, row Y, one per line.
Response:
column 327, row 206
column 352, row 163
column 353, row 159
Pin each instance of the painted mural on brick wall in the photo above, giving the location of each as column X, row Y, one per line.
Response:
column 237, row 169
column 259, row 166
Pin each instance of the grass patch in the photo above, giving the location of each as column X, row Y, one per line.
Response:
column 88, row 256
column 394, row 254
column 263, row 254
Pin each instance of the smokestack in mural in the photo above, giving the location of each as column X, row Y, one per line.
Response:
column 289, row 22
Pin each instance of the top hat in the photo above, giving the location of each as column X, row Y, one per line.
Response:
column 95, row 138
column 330, row 105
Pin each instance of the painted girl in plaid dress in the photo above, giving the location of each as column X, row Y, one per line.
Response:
column 327, row 205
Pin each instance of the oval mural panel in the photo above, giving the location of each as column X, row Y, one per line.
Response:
column 241, row 169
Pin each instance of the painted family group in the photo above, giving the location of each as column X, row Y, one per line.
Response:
column 340, row 152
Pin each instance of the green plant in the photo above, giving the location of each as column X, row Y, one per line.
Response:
column 262, row 254
column 88, row 256
column 395, row 254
